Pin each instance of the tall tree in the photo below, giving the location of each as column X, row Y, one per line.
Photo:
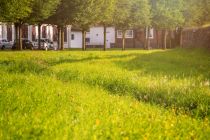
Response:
column 167, row 15
column 82, row 13
column 122, row 16
column 62, row 17
column 41, row 10
column 131, row 14
column 142, row 16
column 193, row 12
column 88, row 14
column 106, row 15
column 15, row 11
column 206, row 14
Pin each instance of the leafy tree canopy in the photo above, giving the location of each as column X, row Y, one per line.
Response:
column 106, row 13
column 140, row 13
column 77, row 12
column 206, row 14
column 42, row 9
column 168, row 14
column 193, row 12
column 15, row 10
column 134, row 13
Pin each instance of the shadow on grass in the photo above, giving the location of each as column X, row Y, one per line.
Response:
column 102, row 49
column 170, row 63
column 70, row 60
column 194, row 104
column 173, row 63
column 178, row 63
column 23, row 66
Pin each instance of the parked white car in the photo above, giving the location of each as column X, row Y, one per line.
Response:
column 44, row 44
column 49, row 43
column 5, row 44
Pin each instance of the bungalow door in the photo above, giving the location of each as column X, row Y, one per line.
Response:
column 9, row 32
column 110, row 36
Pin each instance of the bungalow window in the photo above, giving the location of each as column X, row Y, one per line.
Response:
column 151, row 33
column 25, row 31
column 87, row 40
column 72, row 36
column 9, row 32
column 119, row 33
column 129, row 34
column 44, row 30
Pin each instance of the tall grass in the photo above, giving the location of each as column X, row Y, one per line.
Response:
column 105, row 95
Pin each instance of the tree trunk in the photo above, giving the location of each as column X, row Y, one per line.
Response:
column 134, row 41
column 123, row 40
column 20, row 37
column 147, row 38
column 59, row 38
column 39, row 36
column 165, row 40
column 162, row 39
column 16, row 36
column 105, row 45
column 170, row 39
column 83, row 40
column 181, row 37
column 62, row 38
column 157, row 38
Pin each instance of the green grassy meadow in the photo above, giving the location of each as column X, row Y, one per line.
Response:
column 135, row 94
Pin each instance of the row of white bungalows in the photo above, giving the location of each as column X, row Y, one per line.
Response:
column 72, row 36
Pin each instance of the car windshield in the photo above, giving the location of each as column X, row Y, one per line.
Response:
column 48, row 40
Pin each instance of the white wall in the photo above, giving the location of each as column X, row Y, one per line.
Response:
column 96, row 35
column 0, row 31
column 36, row 29
column 77, row 42
column 13, row 33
